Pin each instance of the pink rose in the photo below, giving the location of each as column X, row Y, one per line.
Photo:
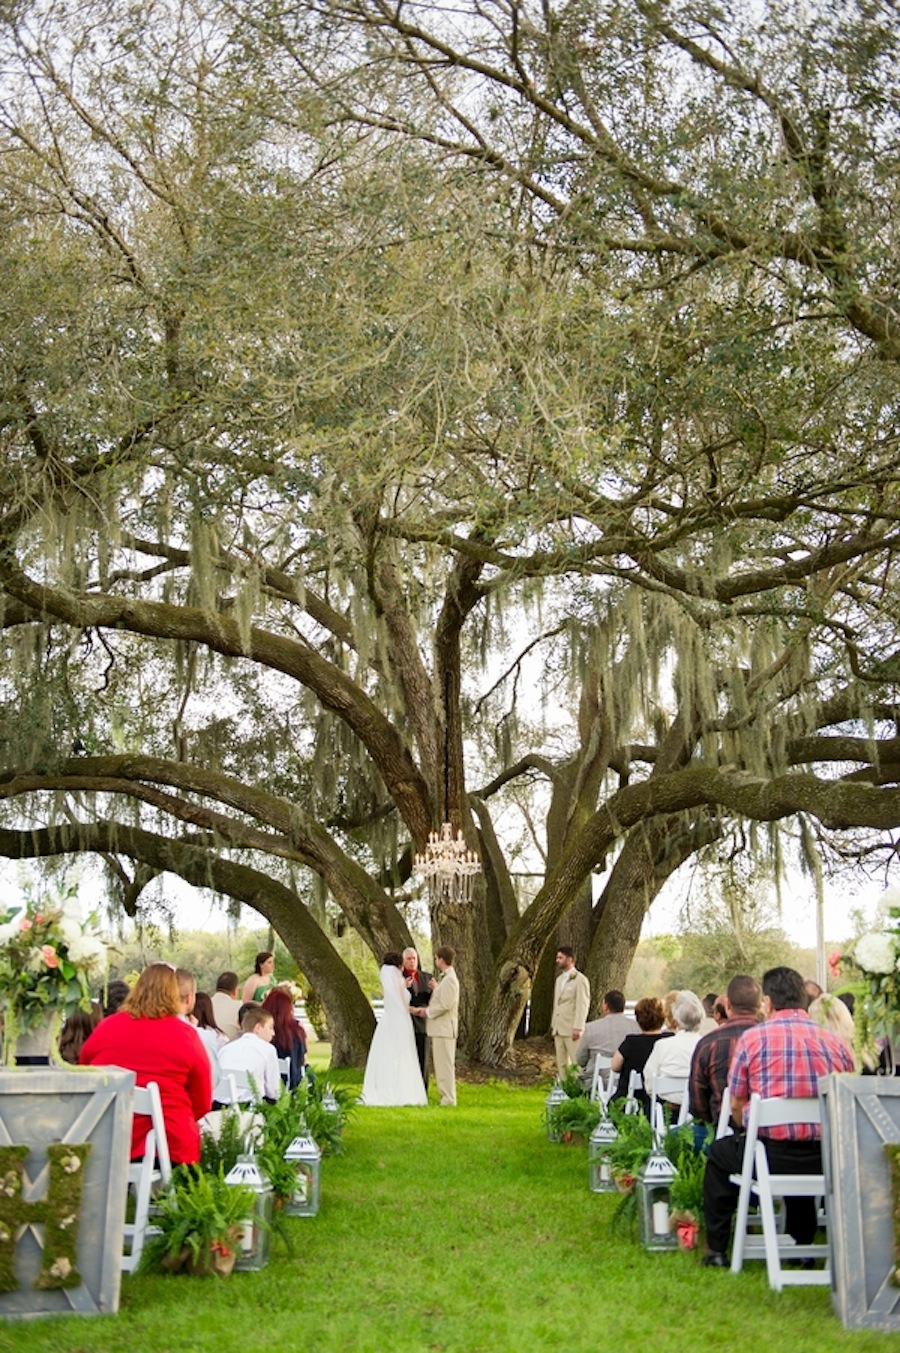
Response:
column 50, row 957
column 834, row 961
column 24, row 924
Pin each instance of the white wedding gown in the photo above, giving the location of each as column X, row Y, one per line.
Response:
column 393, row 1077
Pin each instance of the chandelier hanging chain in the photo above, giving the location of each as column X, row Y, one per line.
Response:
column 447, row 863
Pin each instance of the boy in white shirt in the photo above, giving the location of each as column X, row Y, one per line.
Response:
column 252, row 1057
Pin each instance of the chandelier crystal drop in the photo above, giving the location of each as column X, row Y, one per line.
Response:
column 448, row 865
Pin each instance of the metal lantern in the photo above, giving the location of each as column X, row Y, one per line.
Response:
column 653, row 1188
column 253, row 1247
column 306, row 1158
column 600, row 1173
column 556, row 1096
column 329, row 1101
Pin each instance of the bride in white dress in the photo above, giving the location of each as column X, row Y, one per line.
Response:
column 393, row 1077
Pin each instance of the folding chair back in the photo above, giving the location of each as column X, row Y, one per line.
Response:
column 723, row 1127
column 599, row 1090
column 635, row 1087
column 664, row 1087
column 758, row 1183
column 154, row 1169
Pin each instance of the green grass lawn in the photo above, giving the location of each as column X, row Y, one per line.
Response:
column 460, row 1230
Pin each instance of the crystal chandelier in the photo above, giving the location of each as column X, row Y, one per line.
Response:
column 448, row 865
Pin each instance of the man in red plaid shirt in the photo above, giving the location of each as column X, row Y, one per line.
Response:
column 782, row 1058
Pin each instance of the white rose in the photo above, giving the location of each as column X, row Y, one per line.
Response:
column 88, row 951
column 875, row 952
column 8, row 931
column 71, row 908
column 888, row 903
column 70, row 931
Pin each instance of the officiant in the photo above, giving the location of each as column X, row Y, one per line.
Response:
column 418, row 985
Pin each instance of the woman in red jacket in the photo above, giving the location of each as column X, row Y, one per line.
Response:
column 147, row 1036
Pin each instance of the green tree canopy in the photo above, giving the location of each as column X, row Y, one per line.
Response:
column 484, row 417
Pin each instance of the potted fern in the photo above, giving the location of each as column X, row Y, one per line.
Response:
column 198, row 1223
column 686, row 1189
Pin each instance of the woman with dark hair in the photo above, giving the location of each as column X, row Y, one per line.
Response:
column 203, row 1017
column 261, row 980
column 636, row 1048
column 289, row 1038
column 149, row 1037
column 76, row 1031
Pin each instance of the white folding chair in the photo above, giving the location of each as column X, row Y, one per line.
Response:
column 664, row 1087
column 284, row 1069
column 724, row 1127
column 599, row 1090
column 233, row 1088
column 757, row 1183
column 635, row 1086
column 153, row 1169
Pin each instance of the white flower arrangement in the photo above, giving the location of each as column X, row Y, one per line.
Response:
column 875, row 953
column 49, row 962
column 875, row 956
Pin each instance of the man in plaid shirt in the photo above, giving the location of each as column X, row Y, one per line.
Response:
column 782, row 1058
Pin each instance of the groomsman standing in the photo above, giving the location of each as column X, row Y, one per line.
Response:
column 571, row 999
column 442, row 1023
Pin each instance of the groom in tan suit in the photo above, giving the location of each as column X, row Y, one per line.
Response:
column 441, row 1015
column 571, row 998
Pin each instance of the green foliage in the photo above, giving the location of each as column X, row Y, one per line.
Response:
column 575, row 1117
column 632, row 1147
column 254, row 460
column 219, row 1151
column 198, row 1212
column 327, row 1109
column 572, row 1084
column 686, row 1190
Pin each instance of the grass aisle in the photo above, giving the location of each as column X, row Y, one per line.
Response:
column 463, row 1231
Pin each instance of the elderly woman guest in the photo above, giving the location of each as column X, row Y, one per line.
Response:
column 636, row 1048
column 147, row 1036
column 289, row 1038
column 261, row 980
column 673, row 1057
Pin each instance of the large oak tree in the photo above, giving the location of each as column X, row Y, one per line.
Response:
column 410, row 416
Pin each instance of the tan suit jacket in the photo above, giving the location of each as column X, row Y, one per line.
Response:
column 571, row 999
column 443, row 1009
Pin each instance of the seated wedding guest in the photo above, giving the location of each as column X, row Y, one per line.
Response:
column 289, row 1038
column 636, row 1048
column 673, row 1056
column 116, row 994
column 252, row 1057
column 709, row 1021
column 261, row 980
column 208, row 1031
column 76, row 1031
column 147, row 1036
column 668, row 1018
column 712, row 1055
column 187, row 991
column 830, row 1012
column 601, row 1037
column 226, row 1005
